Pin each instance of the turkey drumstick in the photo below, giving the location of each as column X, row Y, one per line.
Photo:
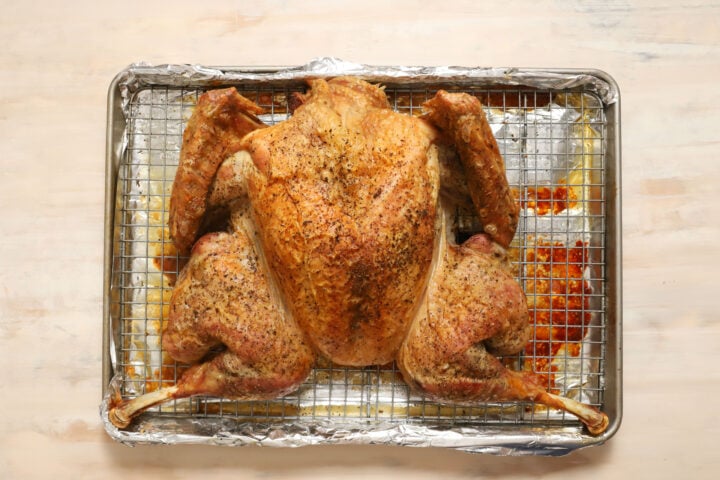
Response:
column 449, row 351
column 265, row 356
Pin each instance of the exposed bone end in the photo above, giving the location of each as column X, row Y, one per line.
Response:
column 118, row 418
column 595, row 420
column 122, row 414
column 600, row 427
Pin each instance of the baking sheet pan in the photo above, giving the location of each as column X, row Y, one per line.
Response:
column 559, row 132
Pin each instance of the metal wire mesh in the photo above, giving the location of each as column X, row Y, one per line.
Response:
column 553, row 144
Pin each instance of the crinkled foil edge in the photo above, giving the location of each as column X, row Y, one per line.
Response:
column 489, row 439
column 494, row 440
column 139, row 75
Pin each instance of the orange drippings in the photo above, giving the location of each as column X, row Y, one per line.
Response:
column 503, row 99
column 167, row 261
column 545, row 200
column 277, row 102
column 160, row 376
column 156, row 378
column 558, row 303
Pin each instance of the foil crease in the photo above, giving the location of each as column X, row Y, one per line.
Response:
column 231, row 432
column 548, row 146
column 140, row 74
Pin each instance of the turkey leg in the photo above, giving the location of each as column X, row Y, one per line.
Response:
column 224, row 297
column 473, row 307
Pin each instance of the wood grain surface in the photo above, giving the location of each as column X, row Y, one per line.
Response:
column 56, row 64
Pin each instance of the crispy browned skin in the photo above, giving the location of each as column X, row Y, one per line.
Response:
column 473, row 307
column 345, row 196
column 462, row 121
column 224, row 297
column 219, row 122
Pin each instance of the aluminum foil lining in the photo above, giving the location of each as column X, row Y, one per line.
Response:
column 138, row 75
column 560, row 143
column 176, row 430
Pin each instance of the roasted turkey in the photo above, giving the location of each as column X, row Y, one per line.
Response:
column 331, row 234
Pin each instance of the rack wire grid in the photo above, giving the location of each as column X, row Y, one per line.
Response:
column 554, row 146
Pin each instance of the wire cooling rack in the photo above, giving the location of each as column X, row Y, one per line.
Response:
column 554, row 146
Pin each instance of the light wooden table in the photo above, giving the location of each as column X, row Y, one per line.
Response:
column 56, row 63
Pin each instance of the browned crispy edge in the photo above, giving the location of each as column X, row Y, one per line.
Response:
column 214, row 132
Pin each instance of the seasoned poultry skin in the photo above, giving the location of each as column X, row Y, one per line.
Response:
column 344, row 195
column 265, row 352
column 340, row 243
column 220, row 121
